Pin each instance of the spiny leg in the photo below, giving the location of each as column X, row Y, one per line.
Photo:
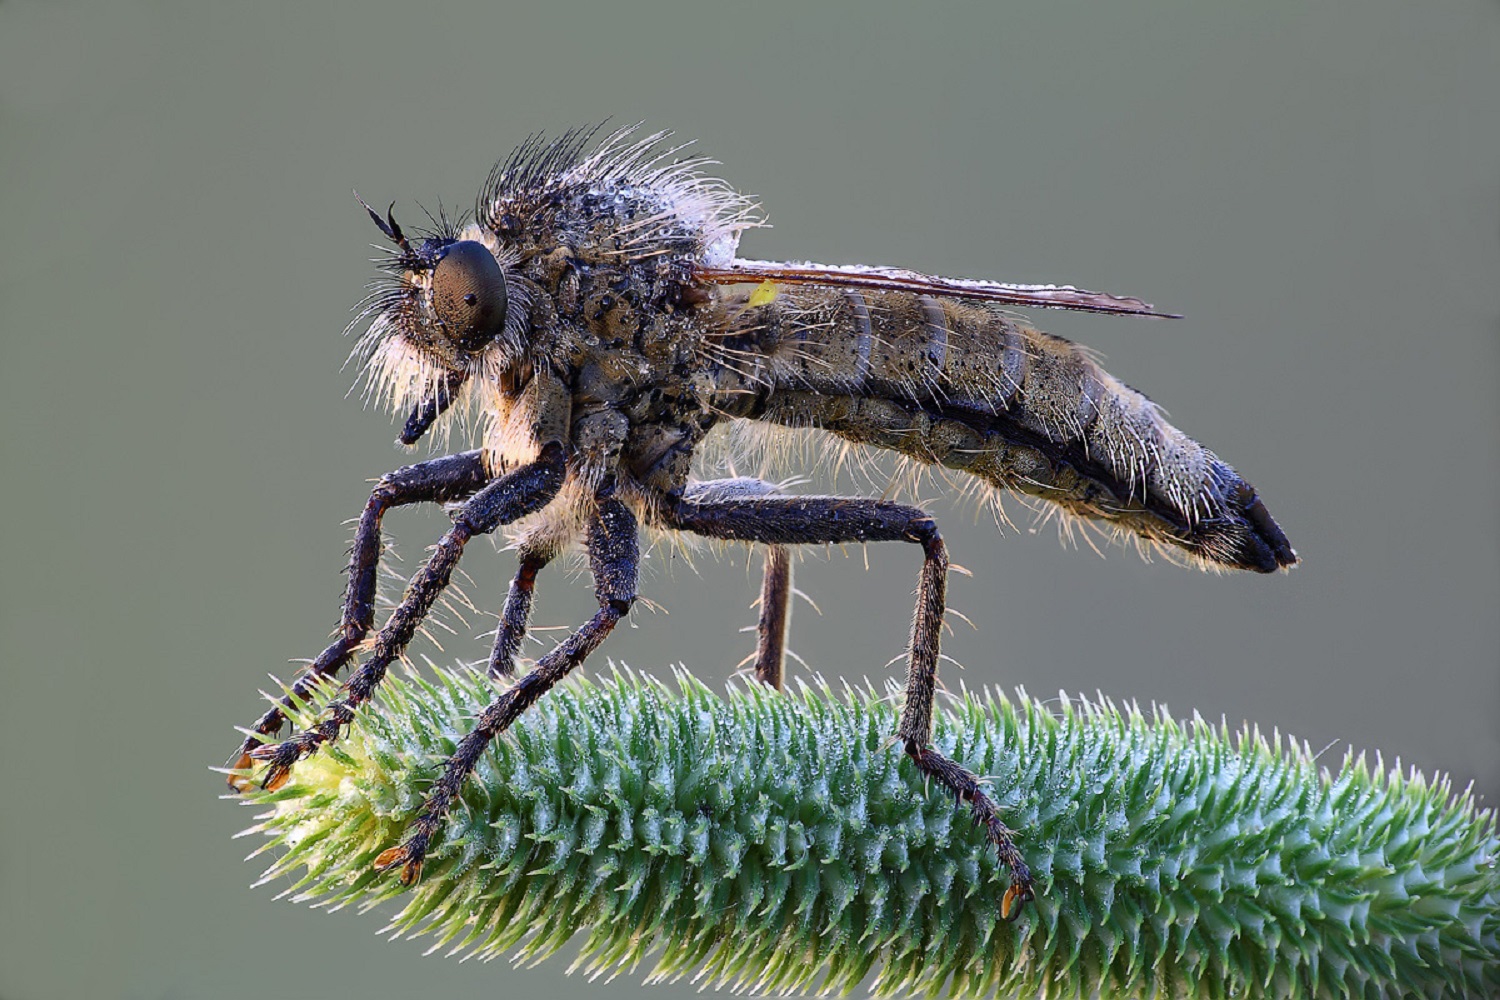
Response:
column 775, row 616
column 820, row 520
column 915, row 725
column 515, row 616
column 440, row 480
column 504, row 500
column 613, row 557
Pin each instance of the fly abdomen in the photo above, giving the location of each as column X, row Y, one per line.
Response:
column 968, row 387
column 908, row 347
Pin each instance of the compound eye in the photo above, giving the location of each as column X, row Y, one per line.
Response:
column 468, row 294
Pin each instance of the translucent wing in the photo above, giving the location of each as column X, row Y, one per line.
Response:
column 742, row 271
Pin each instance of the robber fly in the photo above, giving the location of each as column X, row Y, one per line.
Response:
column 596, row 319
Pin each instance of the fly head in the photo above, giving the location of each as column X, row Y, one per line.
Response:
column 446, row 316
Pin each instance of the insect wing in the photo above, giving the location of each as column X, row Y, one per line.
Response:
column 897, row 279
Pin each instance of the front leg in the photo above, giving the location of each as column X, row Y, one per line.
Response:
column 822, row 520
column 440, row 480
column 613, row 557
column 524, row 491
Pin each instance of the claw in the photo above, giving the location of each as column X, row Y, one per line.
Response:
column 1015, row 899
column 275, row 778
column 241, row 782
column 404, row 857
column 281, row 757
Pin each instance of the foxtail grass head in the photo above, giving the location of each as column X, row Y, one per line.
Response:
column 779, row 842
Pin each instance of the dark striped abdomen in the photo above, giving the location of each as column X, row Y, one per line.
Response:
column 966, row 386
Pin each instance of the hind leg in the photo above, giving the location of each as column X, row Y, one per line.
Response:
column 818, row 520
column 775, row 616
column 776, row 584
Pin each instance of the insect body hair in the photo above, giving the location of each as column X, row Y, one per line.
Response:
column 969, row 387
column 600, row 252
column 593, row 316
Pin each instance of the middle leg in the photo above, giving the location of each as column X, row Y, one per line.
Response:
column 614, row 555
column 821, row 520
column 515, row 616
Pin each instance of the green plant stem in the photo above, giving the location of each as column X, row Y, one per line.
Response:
column 780, row 842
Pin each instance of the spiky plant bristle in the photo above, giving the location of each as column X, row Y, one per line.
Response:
column 779, row 842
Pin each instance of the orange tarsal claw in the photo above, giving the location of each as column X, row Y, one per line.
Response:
column 1015, row 900
column 398, row 856
column 241, row 782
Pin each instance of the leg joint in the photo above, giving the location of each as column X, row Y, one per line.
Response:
column 383, row 496
column 924, row 531
column 530, row 566
column 513, row 496
column 451, row 477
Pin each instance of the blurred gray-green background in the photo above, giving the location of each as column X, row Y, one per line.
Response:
column 1317, row 187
